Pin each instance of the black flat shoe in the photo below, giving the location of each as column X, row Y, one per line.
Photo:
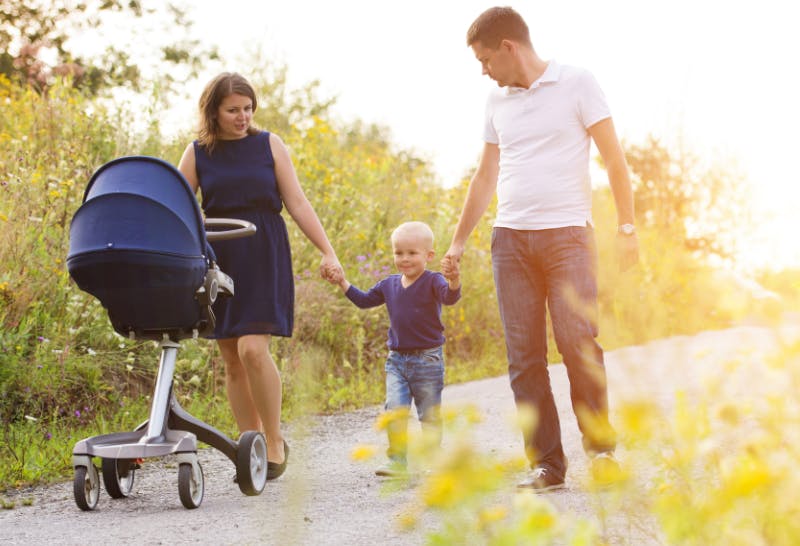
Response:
column 274, row 470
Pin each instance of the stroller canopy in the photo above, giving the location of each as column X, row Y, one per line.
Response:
column 138, row 244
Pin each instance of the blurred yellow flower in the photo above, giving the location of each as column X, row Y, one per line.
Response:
column 730, row 414
column 492, row 514
column 525, row 418
column 468, row 413
column 744, row 474
column 363, row 452
column 407, row 520
column 386, row 418
column 441, row 490
column 536, row 514
column 639, row 419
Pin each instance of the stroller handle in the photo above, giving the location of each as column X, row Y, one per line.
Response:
column 241, row 228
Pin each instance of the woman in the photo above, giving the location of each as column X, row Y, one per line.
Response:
column 248, row 174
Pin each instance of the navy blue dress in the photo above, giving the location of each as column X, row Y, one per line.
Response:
column 238, row 181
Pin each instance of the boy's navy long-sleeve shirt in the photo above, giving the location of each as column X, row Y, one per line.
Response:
column 415, row 321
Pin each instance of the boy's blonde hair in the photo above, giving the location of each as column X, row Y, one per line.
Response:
column 416, row 229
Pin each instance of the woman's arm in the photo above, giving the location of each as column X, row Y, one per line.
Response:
column 299, row 206
column 188, row 168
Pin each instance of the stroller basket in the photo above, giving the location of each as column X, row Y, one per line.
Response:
column 138, row 243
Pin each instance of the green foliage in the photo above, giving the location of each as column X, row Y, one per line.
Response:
column 38, row 43
column 50, row 148
column 669, row 293
column 701, row 204
column 784, row 283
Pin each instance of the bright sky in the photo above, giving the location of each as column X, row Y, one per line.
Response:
column 720, row 76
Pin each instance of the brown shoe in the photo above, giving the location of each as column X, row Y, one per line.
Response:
column 541, row 480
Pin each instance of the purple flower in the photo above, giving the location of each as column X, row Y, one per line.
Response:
column 40, row 338
column 361, row 258
column 47, row 435
column 77, row 413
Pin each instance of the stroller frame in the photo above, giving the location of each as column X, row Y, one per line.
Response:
column 169, row 430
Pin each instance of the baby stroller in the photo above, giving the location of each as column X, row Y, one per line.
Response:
column 138, row 243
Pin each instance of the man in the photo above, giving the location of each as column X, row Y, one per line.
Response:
column 539, row 126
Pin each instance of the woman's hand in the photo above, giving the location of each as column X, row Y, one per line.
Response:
column 330, row 269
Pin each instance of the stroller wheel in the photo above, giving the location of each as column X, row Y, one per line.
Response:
column 190, row 484
column 251, row 463
column 118, row 477
column 86, row 487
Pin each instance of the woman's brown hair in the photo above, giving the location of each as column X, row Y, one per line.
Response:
column 224, row 85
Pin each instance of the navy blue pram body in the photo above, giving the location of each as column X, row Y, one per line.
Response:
column 138, row 244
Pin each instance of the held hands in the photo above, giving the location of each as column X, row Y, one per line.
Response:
column 451, row 261
column 334, row 274
column 331, row 270
column 450, row 270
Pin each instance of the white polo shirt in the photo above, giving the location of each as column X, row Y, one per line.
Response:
column 544, row 148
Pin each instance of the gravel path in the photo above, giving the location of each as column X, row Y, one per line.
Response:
column 325, row 498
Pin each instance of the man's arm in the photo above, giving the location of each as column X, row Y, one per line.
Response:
column 479, row 195
column 605, row 138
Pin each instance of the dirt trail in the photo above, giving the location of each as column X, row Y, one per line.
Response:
column 325, row 498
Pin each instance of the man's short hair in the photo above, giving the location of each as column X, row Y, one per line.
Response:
column 497, row 24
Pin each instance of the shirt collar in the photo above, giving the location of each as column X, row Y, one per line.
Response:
column 550, row 75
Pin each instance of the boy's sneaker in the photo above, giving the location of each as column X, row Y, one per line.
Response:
column 541, row 480
column 605, row 469
column 392, row 469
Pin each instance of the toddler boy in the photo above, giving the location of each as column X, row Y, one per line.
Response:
column 415, row 364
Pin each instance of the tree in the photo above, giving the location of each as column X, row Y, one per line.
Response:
column 37, row 43
column 701, row 204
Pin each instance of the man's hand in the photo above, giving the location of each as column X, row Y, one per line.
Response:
column 452, row 258
column 450, row 270
column 627, row 250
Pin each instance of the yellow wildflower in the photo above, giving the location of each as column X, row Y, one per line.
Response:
column 363, row 452
column 492, row 514
column 441, row 490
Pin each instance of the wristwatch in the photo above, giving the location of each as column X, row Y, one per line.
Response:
column 627, row 229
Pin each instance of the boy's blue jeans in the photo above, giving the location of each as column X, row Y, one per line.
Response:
column 553, row 269
column 416, row 376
